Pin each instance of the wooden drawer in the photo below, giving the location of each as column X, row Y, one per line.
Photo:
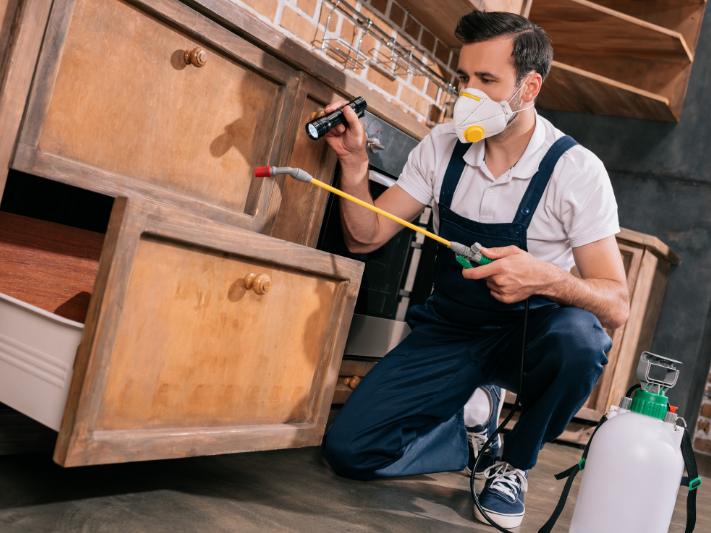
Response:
column 180, row 358
column 115, row 108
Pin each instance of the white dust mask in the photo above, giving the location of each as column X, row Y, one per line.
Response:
column 476, row 116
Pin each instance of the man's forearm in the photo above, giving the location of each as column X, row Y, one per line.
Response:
column 360, row 226
column 607, row 299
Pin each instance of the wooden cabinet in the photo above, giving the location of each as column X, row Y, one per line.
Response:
column 167, row 106
column 201, row 339
column 115, row 108
column 647, row 262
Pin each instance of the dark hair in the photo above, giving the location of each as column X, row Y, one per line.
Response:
column 532, row 48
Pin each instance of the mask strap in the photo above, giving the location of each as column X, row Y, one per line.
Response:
column 524, row 109
column 514, row 96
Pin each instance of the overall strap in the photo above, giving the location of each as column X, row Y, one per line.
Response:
column 540, row 179
column 453, row 174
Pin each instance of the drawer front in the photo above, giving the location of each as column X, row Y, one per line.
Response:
column 116, row 108
column 181, row 356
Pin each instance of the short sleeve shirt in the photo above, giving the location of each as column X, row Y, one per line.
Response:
column 578, row 206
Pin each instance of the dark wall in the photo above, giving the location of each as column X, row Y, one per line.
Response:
column 661, row 174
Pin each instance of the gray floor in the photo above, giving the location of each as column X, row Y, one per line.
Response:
column 286, row 490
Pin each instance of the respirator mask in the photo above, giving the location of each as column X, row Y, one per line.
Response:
column 476, row 116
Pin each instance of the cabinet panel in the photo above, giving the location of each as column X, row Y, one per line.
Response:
column 221, row 354
column 180, row 358
column 299, row 207
column 116, row 108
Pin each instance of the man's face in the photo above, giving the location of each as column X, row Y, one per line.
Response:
column 487, row 66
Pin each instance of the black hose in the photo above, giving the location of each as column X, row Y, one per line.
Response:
column 632, row 389
column 517, row 404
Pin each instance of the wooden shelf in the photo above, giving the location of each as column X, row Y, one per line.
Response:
column 683, row 16
column 568, row 88
column 642, row 62
column 582, row 27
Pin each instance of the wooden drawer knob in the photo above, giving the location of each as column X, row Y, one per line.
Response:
column 260, row 283
column 352, row 382
column 317, row 114
column 196, row 56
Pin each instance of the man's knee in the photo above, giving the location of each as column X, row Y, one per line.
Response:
column 579, row 342
column 339, row 452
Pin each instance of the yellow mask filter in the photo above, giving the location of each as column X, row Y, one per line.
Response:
column 474, row 134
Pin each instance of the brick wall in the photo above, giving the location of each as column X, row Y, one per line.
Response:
column 702, row 438
column 304, row 21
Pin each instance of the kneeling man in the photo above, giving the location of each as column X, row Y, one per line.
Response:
column 540, row 204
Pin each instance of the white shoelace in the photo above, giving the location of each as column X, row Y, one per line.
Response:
column 506, row 479
column 477, row 440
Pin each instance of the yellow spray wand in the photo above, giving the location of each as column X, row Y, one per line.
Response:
column 464, row 254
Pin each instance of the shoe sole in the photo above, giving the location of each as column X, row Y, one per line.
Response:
column 507, row 521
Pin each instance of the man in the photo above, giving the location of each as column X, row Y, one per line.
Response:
column 539, row 204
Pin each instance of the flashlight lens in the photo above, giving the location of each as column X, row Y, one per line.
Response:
column 313, row 132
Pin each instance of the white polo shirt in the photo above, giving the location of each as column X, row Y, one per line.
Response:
column 577, row 207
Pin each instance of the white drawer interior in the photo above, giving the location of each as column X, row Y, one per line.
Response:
column 37, row 351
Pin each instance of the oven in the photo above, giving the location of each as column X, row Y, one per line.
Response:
column 397, row 275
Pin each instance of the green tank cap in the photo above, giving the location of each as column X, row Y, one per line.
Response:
column 650, row 404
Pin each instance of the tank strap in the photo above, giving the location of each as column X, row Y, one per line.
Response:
column 570, row 474
column 693, row 481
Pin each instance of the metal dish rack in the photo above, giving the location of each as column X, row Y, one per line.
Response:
column 393, row 58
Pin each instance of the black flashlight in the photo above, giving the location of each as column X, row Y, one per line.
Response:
column 319, row 127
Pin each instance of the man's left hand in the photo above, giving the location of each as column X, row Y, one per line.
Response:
column 515, row 275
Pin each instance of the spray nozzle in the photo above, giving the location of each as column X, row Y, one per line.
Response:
column 296, row 173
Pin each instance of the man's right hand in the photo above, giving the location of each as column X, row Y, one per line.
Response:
column 348, row 142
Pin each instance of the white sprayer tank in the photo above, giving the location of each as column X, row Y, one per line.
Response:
column 631, row 477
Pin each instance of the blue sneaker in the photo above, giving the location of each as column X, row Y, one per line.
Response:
column 479, row 434
column 502, row 497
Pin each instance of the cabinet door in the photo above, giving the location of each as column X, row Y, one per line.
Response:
column 115, row 108
column 185, row 353
column 297, row 208
column 600, row 399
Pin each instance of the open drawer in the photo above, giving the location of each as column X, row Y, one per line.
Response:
column 203, row 339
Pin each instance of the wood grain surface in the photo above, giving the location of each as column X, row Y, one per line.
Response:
column 125, row 101
column 221, row 355
column 48, row 265
column 683, row 16
column 300, row 206
column 586, row 28
column 116, row 109
column 179, row 359
column 568, row 88
column 21, row 31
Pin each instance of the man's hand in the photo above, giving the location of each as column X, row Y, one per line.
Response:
column 348, row 142
column 515, row 275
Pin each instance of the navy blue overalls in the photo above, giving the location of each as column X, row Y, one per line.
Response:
column 406, row 416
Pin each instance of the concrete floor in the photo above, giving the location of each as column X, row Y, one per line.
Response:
column 285, row 490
